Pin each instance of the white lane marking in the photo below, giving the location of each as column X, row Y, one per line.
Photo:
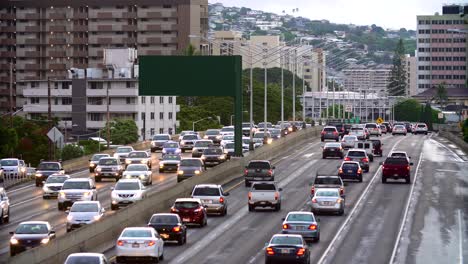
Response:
column 458, row 158
column 308, row 155
column 460, row 236
column 348, row 218
column 447, row 170
column 405, row 215
column 26, row 201
column 219, row 230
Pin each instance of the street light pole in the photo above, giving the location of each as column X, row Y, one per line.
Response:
column 294, row 86
column 303, row 94
column 265, row 96
column 251, row 100
column 282, row 88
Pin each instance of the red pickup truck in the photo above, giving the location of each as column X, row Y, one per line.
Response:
column 396, row 168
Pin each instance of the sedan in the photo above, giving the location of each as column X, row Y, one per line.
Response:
column 348, row 141
column 328, row 200
column 171, row 147
column 84, row 213
column 287, row 249
column 139, row 243
column 332, row 150
column 53, row 185
column 350, row 170
column 94, row 258
column 139, row 171
column 169, row 227
column 302, row 223
column 399, row 129
column 29, row 235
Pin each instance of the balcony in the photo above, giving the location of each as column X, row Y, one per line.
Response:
column 80, row 15
column 104, row 40
column 57, row 54
column 29, row 41
column 8, row 29
column 129, row 15
column 153, row 40
column 57, row 66
column 8, row 41
column 43, row 108
column 32, row 67
column 96, row 124
column 57, row 16
column 104, row 15
column 32, row 29
column 80, row 53
column 57, row 41
column 7, row 16
column 4, row 54
column 80, row 40
column 58, row 28
column 104, row 28
column 33, row 54
column 37, row 92
column 80, row 28
column 31, row 16
column 129, row 28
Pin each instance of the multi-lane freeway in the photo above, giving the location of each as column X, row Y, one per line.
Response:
column 422, row 222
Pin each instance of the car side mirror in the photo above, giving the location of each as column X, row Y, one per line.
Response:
column 94, row 187
column 226, row 194
column 67, row 211
column 12, row 233
column 411, row 164
column 280, row 189
column 103, row 210
column 266, row 244
column 318, row 220
column 283, row 218
column 274, row 167
column 337, row 167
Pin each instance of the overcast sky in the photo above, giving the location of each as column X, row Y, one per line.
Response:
column 393, row 14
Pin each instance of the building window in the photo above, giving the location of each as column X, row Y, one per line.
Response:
column 152, row 115
column 34, row 84
column 55, row 101
column 170, row 116
column 161, row 130
column 143, row 116
column 143, row 100
column 167, row 6
column 34, row 100
column 161, row 100
column 95, row 100
column 161, row 115
column 130, row 85
column 95, row 85
column 130, row 100
column 152, row 99
column 66, row 85
column 152, row 131
column 66, row 101
column 95, row 116
column 170, row 99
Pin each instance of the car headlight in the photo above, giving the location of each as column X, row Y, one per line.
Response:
column 152, row 143
column 14, row 241
column 180, row 172
column 92, row 164
column 62, row 194
column 38, row 174
column 161, row 165
column 23, row 169
column 45, row 240
column 97, row 217
column 69, row 217
column 218, row 137
column 203, row 157
column 144, row 161
column 114, row 169
column 86, row 194
column 98, row 169
column 226, row 151
column 205, row 137
column 114, row 195
column 45, row 189
column 128, row 161
column 197, row 172
column 142, row 176
column 177, row 151
column 222, row 157
column 164, row 151
column 116, row 156
column 269, row 140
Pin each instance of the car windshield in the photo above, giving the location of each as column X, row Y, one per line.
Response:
column 124, row 150
column 350, row 138
column 171, row 145
column 246, row 125
column 9, row 163
column 421, row 125
column 186, row 205
column 300, row 217
column 83, row 185
column 229, row 146
column 349, row 166
column 136, row 233
column 99, row 156
column 84, row 207
column 54, row 179
column 328, row 180
column 161, row 137
column 275, row 131
column 206, row 191
column 327, row 193
column 32, row 229
column 284, row 240
column 135, row 167
column 268, row 125
column 131, row 186
column 227, row 129
column 190, row 137
column 211, row 151
column 263, row 187
column 164, row 219
column 332, row 145
column 138, row 155
column 108, row 162
column 398, row 154
column 396, row 161
column 190, row 163
column 171, row 157
column 371, row 126
column 259, row 165
column 229, row 137
column 261, row 135
column 49, row 166
column 399, row 127
column 212, row 132
column 83, row 260
column 329, row 129
column 203, row 144
column 246, row 140
column 353, row 153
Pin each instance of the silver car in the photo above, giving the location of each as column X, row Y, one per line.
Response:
column 4, row 206
column 139, row 171
column 200, row 146
column 135, row 243
column 84, row 213
column 53, row 185
column 348, row 141
column 121, row 153
column 95, row 258
column 302, row 223
column 138, row 157
column 328, row 200
column 213, row 198
column 127, row 191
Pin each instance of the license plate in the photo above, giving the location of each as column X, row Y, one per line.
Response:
column 257, row 179
column 262, row 202
column 326, row 203
column 300, row 228
column 135, row 245
column 285, row 251
column 332, row 149
column 207, row 201
column 186, row 219
column 350, row 171
column 395, row 175
column 166, row 236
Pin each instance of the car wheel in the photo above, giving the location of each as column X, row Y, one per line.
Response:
column 180, row 241
column 324, row 157
column 45, row 197
column 114, row 207
column 247, row 183
column 360, row 178
column 161, row 171
column 341, row 212
column 162, row 256
column 405, row 134
column 408, row 180
column 7, row 218
column 60, row 207
column 97, row 179
column 366, row 170
column 323, row 140
column 393, row 134
column 90, row 170
column 384, row 180
column 251, row 208
column 317, row 239
column 337, row 139
column 425, row 133
column 278, row 207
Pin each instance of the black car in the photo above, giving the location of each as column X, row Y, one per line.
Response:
column 285, row 248
column 350, row 170
column 169, row 227
column 45, row 169
column 347, row 128
column 29, row 235
column 213, row 156
column 332, row 150
column 330, row 132
column 259, row 170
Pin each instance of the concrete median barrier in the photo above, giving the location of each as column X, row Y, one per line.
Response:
column 102, row 235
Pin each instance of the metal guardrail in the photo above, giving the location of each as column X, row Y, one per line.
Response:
column 9, row 180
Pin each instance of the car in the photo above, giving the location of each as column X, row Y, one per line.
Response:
column 287, row 248
column 84, row 213
column 4, row 206
column 91, row 258
column 214, row 135
column 189, row 167
column 350, row 170
column 229, row 150
column 190, row 210
column 171, row 147
column 138, row 157
column 384, row 129
column 327, row 181
column 139, row 171
column 259, row 170
column 262, row 138
column 286, row 128
column 332, row 150
column 396, row 168
column 227, row 138
column 275, row 133
column 262, row 125
column 359, row 132
column 359, row 155
column 370, row 146
column 399, row 154
column 328, row 200
column 30, row 234
column 139, row 243
column 340, row 127
column 213, row 156
column 121, row 153
column 302, row 223
column 348, row 141
column 409, row 127
column 187, row 132
column 246, row 144
column 93, row 162
column 264, row 194
column 170, row 227
column 388, row 126
column 45, row 169
column 246, row 129
column 213, row 198
column 108, row 168
column 347, row 128
column 53, row 185
column 13, row 168
column 74, row 190
column 127, row 191
column 200, row 146
column 227, row 130
column 374, row 129
column 399, row 129
column 169, row 162
column 329, row 132
column 158, row 141
column 188, row 141
column 2, row 176
column 420, row 128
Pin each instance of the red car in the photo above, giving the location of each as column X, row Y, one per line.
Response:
column 396, row 168
column 190, row 210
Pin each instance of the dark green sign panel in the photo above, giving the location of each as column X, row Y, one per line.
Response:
column 194, row 76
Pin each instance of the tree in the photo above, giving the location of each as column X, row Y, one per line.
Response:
column 191, row 51
column 428, row 115
column 123, row 131
column 465, row 130
column 71, row 151
column 408, row 110
column 397, row 82
column 441, row 94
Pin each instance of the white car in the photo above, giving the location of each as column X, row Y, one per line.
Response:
column 135, row 243
column 84, row 213
column 348, row 141
column 53, row 185
column 139, row 171
column 227, row 139
column 127, row 191
column 374, row 129
column 95, row 258
column 420, row 128
column 121, row 153
column 13, row 168
column 227, row 130
column 158, row 141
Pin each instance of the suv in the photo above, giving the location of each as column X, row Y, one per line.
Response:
column 214, row 135
column 158, row 141
column 374, row 129
column 127, row 191
column 53, row 185
column 420, row 128
column 95, row 160
column 259, row 170
column 200, row 146
column 213, row 156
column 359, row 155
column 4, row 207
column 13, row 168
column 188, row 168
column 121, row 153
column 396, row 168
column 84, row 213
column 191, row 210
column 330, row 132
column 213, row 198
column 350, row 170
column 45, row 169
column 327, row 181
column 108, row 167
column 187, row 142
column 138, row 157
column 78, row 189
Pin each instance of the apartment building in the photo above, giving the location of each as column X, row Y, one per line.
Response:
column 411, row 75
column 442, row 48
column 226, row 43
column 372, row 79
column 46, row 38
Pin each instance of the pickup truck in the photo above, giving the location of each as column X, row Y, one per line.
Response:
column 327, row 181
column 264, row 194
column 259, row 170
column 396, row 168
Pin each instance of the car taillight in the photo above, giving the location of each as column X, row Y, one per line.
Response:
column 341, row 190
column 250, row 196
column 173, row 210
column 120, row 243
column 246, row 172
column 313, row 227
column 312, row 190
column 151, row 243
column 270, row 172
column 314, row 200
column 286, row 226
column 340, row 170
column 365, row 160
column 176, row 229
column 347, row 159
column 323, row 133
column 221, row 200
column 359, row 171
column 383, row 167
column 408, row 167
column 276, row 196
column 270, row 251
column 301, row 251
column 335, row 133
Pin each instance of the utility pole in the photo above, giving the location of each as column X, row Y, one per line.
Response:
column 333, row 102
column 49, row 114
column 265, row 97
column 11, row 94
column 282, row 87
column 294, row 86
column 303, row 94
column 251, row 145
column 108, row 114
